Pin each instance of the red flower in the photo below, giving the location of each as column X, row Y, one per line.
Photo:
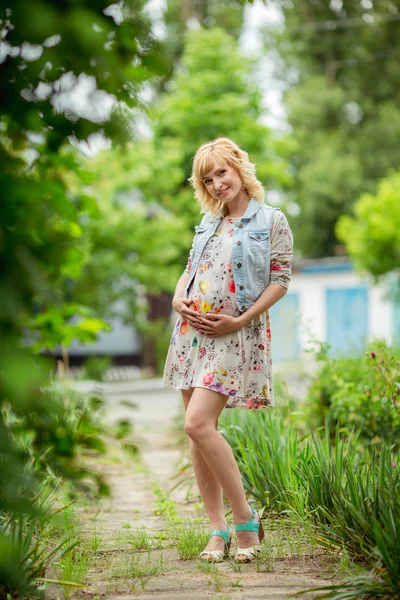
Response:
column 231, row 286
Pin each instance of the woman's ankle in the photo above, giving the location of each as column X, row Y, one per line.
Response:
column 219, row 524
column 243, row 517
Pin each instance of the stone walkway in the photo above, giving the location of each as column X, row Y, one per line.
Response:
column 132, row 504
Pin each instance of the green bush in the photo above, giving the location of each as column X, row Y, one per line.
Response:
column 361, row 393
column 96, row 367
column 46, row 433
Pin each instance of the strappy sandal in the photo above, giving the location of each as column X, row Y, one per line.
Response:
column 251, row 525
column 218, row 555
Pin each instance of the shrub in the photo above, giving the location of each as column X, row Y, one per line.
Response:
column 96, row 367
column 360, row 392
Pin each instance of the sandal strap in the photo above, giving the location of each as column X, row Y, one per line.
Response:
column 214, row 553
column 251, row 525
column 249, row 552
column 224, row 533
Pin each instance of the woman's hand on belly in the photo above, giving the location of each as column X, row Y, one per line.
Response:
column 181, row 305
column 217, row 324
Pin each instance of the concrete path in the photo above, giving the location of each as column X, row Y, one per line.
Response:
column 132, row 506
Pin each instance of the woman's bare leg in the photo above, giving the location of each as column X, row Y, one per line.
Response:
column 209, row 487
column 202, row 414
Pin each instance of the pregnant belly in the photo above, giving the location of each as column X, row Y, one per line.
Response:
column 214, row 303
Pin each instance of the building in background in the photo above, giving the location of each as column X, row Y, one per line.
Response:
column 329, row 301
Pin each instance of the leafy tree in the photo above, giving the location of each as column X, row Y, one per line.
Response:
column 372, row 235
column 339, row 62
column 225, row 14
column 49, row 50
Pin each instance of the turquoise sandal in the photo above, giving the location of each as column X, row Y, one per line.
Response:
column 218, row 555
column 252, row 525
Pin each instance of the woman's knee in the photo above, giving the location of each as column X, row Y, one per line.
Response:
column 195, row 427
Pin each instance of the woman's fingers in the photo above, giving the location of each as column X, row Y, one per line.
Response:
column 193, row 322
column 189, row 317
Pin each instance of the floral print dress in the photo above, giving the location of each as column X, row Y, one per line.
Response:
column 237, row 364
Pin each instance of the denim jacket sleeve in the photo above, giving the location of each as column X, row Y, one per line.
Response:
column 191, row 253
column 190, row 257
column 281, row 250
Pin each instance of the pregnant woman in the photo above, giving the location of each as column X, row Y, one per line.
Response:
column 220, row 350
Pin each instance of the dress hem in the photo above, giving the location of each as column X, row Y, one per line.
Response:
column 204, row 387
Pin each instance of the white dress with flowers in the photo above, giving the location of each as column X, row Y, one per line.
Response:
column 237, row 364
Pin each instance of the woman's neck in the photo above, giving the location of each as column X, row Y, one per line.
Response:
column 238, row 211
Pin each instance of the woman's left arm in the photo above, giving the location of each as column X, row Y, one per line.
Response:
column 281, row 258
column 281, row 261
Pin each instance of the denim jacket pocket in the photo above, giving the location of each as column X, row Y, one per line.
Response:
column 259, row 241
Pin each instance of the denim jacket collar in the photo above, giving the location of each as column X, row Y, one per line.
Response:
column 251, row 210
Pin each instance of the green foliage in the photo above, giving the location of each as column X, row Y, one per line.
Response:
column 49, row 50
column 118, row 52
column 372, row 236
column 49, row 429
column 58, row 325
column 97, row 366
column 225, row 14
column 345, row 130
column 46, row 434
column 213, row 84
column 357, row 507
column 343, row 497
column 360, row 392
column 23, row 558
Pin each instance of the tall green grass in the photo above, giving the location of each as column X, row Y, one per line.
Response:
column 348, row 497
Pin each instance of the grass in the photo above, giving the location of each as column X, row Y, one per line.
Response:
column 132, row 571
column 163, row 504
column 189, row 537
column 74, row 565
column 137, row 539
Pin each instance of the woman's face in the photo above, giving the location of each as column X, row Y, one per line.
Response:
column 223, row 182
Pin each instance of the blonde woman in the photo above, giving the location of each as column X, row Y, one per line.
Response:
column 220, row 350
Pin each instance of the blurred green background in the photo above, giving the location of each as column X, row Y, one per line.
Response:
column 102, row 108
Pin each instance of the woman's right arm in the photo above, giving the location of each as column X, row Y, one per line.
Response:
column 180, row 288
column 181, row 304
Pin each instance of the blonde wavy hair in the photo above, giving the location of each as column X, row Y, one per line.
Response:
column 225, row 152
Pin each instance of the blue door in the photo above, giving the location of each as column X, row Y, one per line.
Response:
column 396, row 312
column 284, row 318
column 347, row 320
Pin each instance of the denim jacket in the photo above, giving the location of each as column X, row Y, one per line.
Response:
column 250, row 251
